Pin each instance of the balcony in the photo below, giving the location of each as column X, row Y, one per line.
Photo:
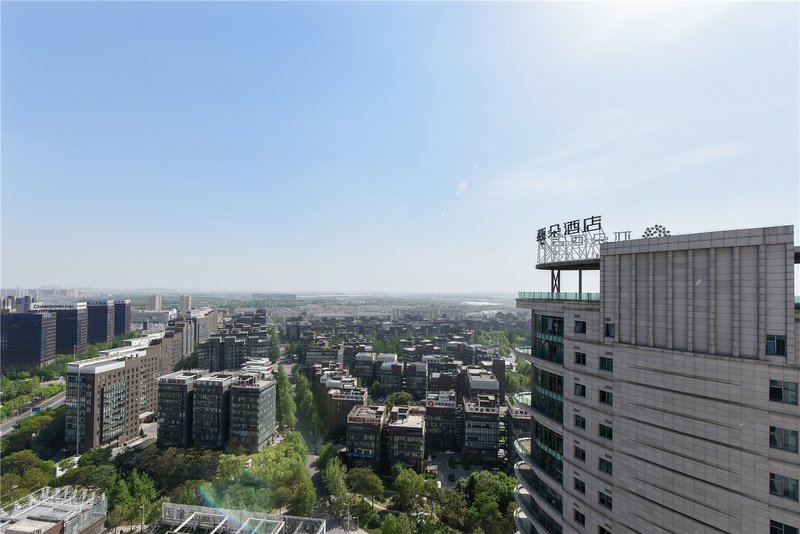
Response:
column 523, row 448
column 522, row 522
column 524, row 401
column 560, row 296
column 528, row 504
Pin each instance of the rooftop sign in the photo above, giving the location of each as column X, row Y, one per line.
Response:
column 571, row 240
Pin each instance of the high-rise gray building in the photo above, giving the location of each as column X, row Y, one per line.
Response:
column 185, row 304
column 153, row 303
column 668, row 402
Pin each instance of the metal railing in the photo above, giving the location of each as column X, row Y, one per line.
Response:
column 544, row 295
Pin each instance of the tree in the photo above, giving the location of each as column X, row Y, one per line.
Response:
column 400, row 398
column 334, row 476
column 274, row 351
column 326, row 453
column 397, row 524
column 186, row 493
column 363, row 481
column 97, row 456
column 285, row 407
column 410, row 488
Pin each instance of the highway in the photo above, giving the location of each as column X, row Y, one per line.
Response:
column 53, row 402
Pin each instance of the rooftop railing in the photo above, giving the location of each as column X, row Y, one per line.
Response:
column 543, row 295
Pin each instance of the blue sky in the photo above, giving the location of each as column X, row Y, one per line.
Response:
column 376, row 146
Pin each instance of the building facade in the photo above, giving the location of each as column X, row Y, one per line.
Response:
column 105, row 397
column 27, row 340
column 175, row 403
column 211, row 411
column 122, row 317
column 668, row 402
column 153, row 303
column 72, row 326
column 252, row 413
column 364, row 429
column 100, row 316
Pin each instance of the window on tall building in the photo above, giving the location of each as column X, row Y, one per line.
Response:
column 580, row 358
column 776, row 527
column 606, row 431
column 783, row 438
column 580, row 454
column 776, row 345
column 601, row 530
column 580, row 422
column 580, row 327
column 580, row 390
column 579, row 485
column 783, row 486
column 785, row 392
column 606, row 397
column 606, row 364
column 579, row 518
column 605, row 500
column 611, row 330
column 605, row 466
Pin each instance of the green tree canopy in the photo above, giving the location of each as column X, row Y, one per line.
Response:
column 364, row 481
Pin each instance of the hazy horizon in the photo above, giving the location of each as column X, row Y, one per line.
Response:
column 381, row 147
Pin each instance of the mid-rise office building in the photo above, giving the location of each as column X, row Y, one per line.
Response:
column 391, row 377
column 482, row 429
column 27, row 340
column 122, row 317
column 337, row 405
column 417, row 379
column 404, row 435
column 444, row 421
column 100, row 316
column 175, row 403
column 105, row 397
column 363, row 365
column 71, row 325
column 211, row 411
column 206, row 324
column 252, row 413
column 364, row 430
column 315, row 355
column 668, row 401
column 153, row 303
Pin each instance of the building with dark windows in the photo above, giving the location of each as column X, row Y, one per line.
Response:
column 364, row 430
column 482, row 429
column 27, row 340
column 100, row 315
column 252, row 413
column 122, row 317
column 175, row 402
column 404, row 437
column 211, row 411
column 444, row 421
column 667, row 402
column 72, row 325
column 416, row 375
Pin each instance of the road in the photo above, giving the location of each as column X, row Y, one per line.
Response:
column 53, row 402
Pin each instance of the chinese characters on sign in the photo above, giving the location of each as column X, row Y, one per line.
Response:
column 575, row 240
column 590, row 224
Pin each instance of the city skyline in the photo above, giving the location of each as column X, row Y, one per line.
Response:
column 394, row 148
